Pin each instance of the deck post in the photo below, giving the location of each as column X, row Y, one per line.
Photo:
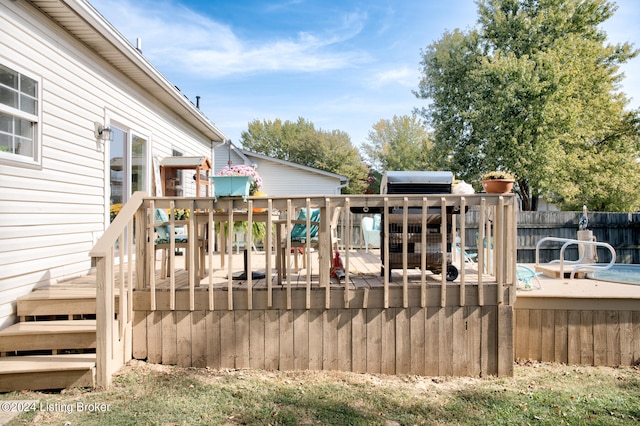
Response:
column 140, row 247
column 104, row 320
column 443, row 236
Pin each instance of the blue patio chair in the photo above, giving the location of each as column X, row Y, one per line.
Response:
column 162, row 242
column 527, row 278
column 298, row 238
column 469, row 258
column 298, row 235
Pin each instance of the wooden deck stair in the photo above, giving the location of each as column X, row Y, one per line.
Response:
column 53, row 345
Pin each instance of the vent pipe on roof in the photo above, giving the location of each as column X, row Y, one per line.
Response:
column 139, row 44
column 198, row 102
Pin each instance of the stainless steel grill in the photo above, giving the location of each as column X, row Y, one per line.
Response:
column 417, row 182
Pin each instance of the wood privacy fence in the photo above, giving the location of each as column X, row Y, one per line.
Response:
column 620, row 230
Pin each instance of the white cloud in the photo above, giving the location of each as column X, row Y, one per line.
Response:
column 178, row 39
column 402, row 76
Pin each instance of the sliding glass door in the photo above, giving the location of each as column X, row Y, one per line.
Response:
column 128, row 168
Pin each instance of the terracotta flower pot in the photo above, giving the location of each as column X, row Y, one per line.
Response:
column 497, row 186
column 259, row 194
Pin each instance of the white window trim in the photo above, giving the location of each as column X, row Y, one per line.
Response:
column 17, row 159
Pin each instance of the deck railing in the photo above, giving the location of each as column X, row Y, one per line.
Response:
column 113, row 344
column 497, row 217
column 438, row 233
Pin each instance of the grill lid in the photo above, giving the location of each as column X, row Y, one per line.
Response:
column 416, row 182
column 417, row 177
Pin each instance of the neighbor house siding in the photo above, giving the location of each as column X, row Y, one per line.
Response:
column 281, row 179
column 51, row 216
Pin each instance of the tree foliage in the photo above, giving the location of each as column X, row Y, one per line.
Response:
column 300, row 142
column 402, row 143
column 534, row 90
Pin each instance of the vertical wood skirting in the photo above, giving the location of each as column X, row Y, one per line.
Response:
column 417, row 317
column 585, row 337
column 169, row 338
column 301, row 345
column 257, row 339
column 213, row 339
column 547, row 336
column 505, row 340
column 198, row 335
column 457, row 341
column 139, row 344
column 272, row 342
column 635, row 327
column 374, row 340
column 358, row 341
column 489, row 343
column 315, row 344
column 432, row 340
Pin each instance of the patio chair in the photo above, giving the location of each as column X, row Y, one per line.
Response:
column 371, row 231
column 181, row 240
column 469, row 258
column 527, row 278
column 298, row 238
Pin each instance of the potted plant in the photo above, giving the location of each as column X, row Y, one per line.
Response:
column 241, row 180
column 236, row 181
column 498, row 182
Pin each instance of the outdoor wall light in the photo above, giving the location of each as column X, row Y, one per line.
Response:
column 102, row 133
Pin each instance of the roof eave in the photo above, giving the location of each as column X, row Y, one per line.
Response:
column 117, row 44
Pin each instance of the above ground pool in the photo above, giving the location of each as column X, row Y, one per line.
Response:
column 619, row 273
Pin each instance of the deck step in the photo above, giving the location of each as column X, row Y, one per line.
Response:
column 48, row 335
column 54, row 301
column 58, row 300
column 40, row 372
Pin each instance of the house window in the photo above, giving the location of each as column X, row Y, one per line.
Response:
column 19, row 116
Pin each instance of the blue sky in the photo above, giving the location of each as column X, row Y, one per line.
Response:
column 342, row 64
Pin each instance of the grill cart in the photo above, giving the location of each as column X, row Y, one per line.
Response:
column 417, row 182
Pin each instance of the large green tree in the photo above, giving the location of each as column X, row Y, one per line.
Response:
column 402, row 143
column 300, row 142
column 534, row 89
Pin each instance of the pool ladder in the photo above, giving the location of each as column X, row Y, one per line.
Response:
column 579, row 266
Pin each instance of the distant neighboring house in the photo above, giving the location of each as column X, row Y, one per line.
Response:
column 280, row 177
column 66, row 75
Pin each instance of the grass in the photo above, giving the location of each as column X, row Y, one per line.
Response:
column 542, row 394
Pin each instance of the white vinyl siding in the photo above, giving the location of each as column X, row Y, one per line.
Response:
column 51, row 216
column 280, row 179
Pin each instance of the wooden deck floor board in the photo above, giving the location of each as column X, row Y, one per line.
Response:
column 42, row 363
column 364, row 273
column 51, row 327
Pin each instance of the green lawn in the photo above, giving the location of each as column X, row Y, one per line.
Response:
column 145, row 394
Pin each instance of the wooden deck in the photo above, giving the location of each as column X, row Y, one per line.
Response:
column 579, row 321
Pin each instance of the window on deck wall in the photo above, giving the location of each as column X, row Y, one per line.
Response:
column 19, row 116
